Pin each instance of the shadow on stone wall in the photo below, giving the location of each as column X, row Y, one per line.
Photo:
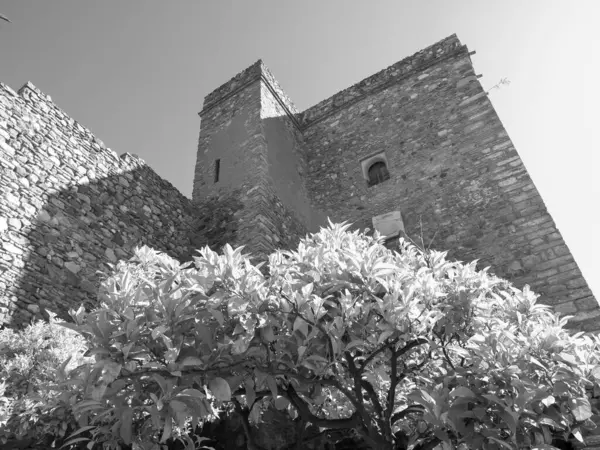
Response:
column 56, row 259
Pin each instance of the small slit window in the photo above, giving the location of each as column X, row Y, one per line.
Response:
column 377, row 173
column 217, row 169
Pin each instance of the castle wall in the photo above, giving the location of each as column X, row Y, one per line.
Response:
column 69, row 207
column 454, row 173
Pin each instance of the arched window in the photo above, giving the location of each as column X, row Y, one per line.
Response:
column 378, row 173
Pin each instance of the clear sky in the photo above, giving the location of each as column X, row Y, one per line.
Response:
column 135, row 73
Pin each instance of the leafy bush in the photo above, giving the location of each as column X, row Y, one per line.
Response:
column 32, row 407
column 403, row 349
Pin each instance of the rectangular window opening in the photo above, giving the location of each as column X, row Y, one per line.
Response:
column 217, row 169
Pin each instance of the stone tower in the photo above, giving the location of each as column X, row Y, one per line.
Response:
column 251, row 165
column 415, row 148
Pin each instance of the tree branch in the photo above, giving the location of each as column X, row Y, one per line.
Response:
column 358, row 384
column 332, row 382
column 391, row 397
column 410, row 345
column 306, row 415
column 300, row 429
column 447, row 357
column 377, row 352
column 244, row 414
column 336, row 434
column 368, row 387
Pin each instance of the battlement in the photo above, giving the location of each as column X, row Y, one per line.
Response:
column 448, row 47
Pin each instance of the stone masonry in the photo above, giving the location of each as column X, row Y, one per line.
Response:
column 455, row 177
column 266, row 174
column 69, row 207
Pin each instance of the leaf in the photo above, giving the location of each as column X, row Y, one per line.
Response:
column 218, row 315
column 544, row 447
column 281, row 403
column 462, row 391
column 381, row 269
column 220, row 389
column 250, row 394
column 192, row 361
column 355, row 343
column 561, row 388
column 550, row 422
column 127, row 349
column 61, row 372
column 581, row 408
column 254, row 414
column 568, row 358
column 192, row 393
column 267, row 333
column 167, row 430
column 98, row 392
column 301, row 326
column 74, row 441
column 161, row 382
column 383, row 336
column 81, row 430
column 589, row 424
column 548, row 400
column 178, row 406
column 86, row 403
column 110, row 371
column 126, row 424
column 158, row 331
column 307, row 289
column 205, row 334
column 272, row 383
column 577, row 433
column 510, row 419
column 500, row 442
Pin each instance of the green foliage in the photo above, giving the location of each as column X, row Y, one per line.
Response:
column 32, row 407
column 406, row 349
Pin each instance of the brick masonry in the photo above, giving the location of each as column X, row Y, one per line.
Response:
column 69, row 207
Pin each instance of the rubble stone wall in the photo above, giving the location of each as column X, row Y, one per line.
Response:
column 70, row 207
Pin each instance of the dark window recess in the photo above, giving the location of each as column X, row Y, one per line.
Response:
column 378, row 173
column 392, row 243
column 217, row 169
